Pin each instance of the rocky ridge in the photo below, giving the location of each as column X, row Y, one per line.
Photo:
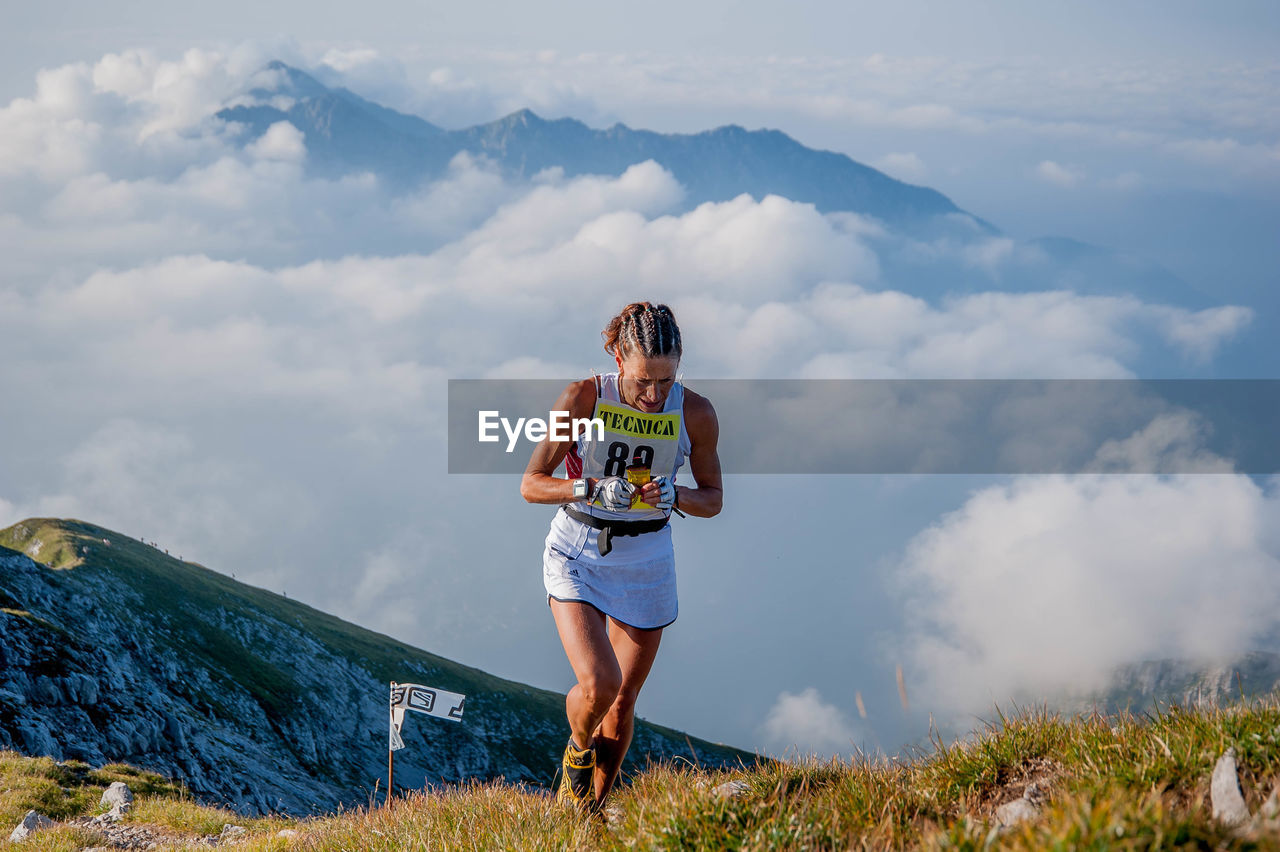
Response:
column 111, row 650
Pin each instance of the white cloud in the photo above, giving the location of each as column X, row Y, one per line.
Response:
column 349, row 60
column 1170, row 442
column 153, row 482
column 530, row 367
column 1056, row 174
column 774, row 277
column 186, row 289
column 129, row 113
column 1043, row 586
column 804, row 722
column 282, row 141
column 1199, row 333
column 884, row 334
column 49, row 133
column 989, row 254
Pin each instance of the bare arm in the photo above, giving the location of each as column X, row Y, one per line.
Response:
column 539, row 484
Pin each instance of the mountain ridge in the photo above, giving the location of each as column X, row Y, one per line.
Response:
column 111, row 650
column 713, row 165
column 1146, row 685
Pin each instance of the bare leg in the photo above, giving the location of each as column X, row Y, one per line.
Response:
column 586, row 644
column 634, row 651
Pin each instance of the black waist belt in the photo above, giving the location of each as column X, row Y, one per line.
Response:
column 609, row 528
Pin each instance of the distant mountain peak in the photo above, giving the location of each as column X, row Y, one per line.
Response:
column 344, row 132
column 523, row 116
column 276, row 78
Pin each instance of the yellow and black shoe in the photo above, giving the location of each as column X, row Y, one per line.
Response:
column 577, row 768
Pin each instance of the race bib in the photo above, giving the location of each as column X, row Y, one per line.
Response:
column 633, row 439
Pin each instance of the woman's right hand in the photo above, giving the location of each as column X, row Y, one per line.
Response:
column 614, row 493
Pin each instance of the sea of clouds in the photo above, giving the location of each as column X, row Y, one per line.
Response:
column 203, row 344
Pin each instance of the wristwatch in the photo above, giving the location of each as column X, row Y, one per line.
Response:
column 579, row 489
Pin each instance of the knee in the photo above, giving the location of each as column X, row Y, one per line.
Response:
column 600, row 687
column 624, row 702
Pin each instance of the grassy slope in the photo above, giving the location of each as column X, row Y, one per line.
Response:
column 1111, row 783
column 169, row 587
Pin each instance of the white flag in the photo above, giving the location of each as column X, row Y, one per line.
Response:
column 421, row 699
column 397, row 719
column 426, row 699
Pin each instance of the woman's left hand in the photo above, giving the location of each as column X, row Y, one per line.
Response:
column 659, row 492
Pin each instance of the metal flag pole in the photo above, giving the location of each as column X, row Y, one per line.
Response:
column 391, row 761
column 419, row 699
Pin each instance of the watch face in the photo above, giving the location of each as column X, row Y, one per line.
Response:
column 579, row 488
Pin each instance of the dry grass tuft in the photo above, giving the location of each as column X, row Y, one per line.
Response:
column 1119, row 782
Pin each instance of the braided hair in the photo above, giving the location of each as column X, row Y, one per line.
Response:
column 645, row 329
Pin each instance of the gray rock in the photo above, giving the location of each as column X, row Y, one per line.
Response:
column 116, row 744
column 31, row 823
column 117, row 794
column 121, row 735
column 1019, row 810
column 1266, row 822
column 173, row 732
column 113, row 816
column 36, row 740
column 45, row 691
column 88, row 691
column 730, row 790
column 1224, row 792
column 1271, row 807
column 232, row 832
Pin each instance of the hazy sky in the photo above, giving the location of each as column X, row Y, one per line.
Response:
column 1093, row 29
column 201, row 344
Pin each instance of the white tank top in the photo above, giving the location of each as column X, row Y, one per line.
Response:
column 659, row 441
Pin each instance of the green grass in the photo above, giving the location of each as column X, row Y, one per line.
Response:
column 49, row 543
column 62, row 790
column 1119, row 782
column 184, row 815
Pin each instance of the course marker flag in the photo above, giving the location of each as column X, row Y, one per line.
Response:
column 419, row 699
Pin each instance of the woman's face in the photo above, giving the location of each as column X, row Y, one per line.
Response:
column 645, row 382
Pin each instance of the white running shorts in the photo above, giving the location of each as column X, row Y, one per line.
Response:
column 635, row 583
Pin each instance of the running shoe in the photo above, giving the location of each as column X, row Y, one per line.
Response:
column 577, row 768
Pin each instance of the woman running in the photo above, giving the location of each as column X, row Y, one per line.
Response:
column 608, row 565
